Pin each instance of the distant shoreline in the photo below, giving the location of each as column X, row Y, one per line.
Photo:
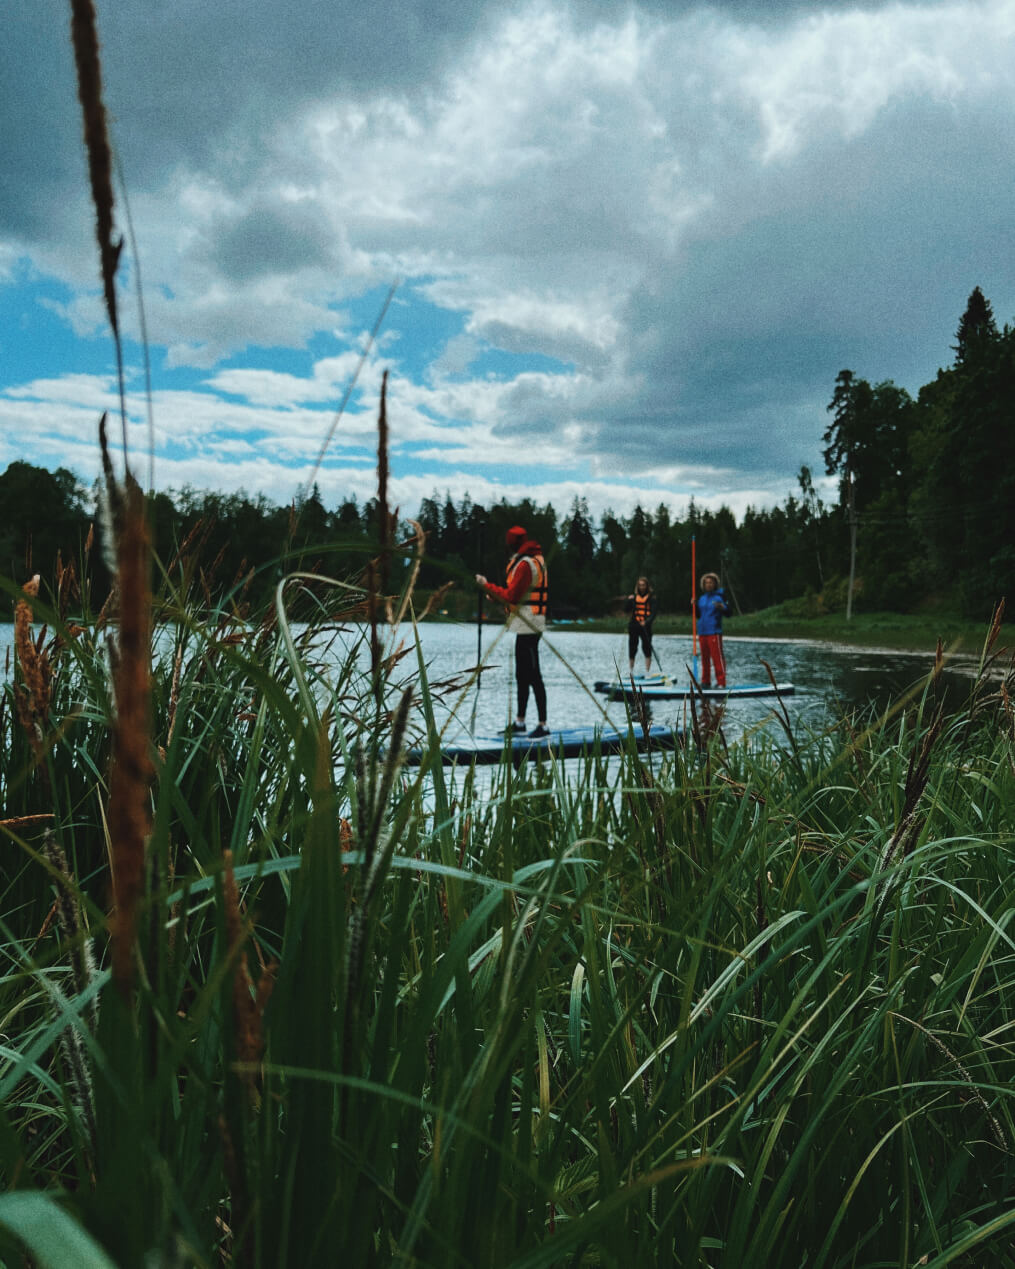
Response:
column 893, row 632
column 900, row 632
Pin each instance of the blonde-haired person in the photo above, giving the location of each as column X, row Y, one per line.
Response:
column 712, row 607
column 641, row 604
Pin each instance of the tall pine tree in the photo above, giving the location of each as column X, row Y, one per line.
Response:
column 977, row 328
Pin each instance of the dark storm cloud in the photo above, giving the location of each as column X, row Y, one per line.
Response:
column 193, row 83
column 40, row 152
column 861, row 256
column 272, row 238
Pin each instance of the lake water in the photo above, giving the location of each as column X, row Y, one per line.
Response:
column 826, row 677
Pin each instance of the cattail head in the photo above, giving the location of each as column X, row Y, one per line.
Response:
column 108, row 505
column 67, row 588
column 248, row 1005
column 132, row 771
column 174, row 693
column 995, row 626
column 100, row 162
column 35, row 690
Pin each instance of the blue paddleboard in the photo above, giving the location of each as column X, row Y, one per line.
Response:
column 667, row 690
column 570, row 742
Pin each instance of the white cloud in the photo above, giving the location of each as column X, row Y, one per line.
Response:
column 839, row 71
column 541, row 181
column 210, row 443
column 9, row 256
column 273, row 388
column 282, row 469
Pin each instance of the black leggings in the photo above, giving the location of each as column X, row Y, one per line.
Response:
column 634, row 633
column 527, row 674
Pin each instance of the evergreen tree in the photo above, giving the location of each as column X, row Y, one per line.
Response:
column 867, row 445
column 610, row 555
column 312, row 526
column 812, row 516
column 44, row 514
column 429, row 518
column 963, row 502
column 451, row 537
column 977, row 328
column 637, row 527
column 576, row 586
column 578, row 535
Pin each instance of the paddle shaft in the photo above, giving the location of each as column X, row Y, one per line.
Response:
column 694, row 606
column 479, row 617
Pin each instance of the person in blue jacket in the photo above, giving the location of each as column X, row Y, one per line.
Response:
column 712, row 607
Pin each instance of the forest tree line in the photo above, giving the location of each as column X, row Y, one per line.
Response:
column 924, row 515
column 772, row 555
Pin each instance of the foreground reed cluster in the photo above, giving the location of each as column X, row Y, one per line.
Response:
column 740, row 1004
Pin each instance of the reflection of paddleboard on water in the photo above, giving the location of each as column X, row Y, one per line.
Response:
column 570, row 742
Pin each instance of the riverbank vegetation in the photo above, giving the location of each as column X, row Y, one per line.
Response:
column 265, row 993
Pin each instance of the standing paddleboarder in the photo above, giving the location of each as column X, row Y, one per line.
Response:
column 711, row 608
column 641, row 604
column 525, row 596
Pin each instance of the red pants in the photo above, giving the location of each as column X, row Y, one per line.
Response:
column 712, row 655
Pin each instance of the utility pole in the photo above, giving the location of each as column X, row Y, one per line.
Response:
column 852, row 543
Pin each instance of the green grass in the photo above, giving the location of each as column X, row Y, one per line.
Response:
column 743, row 1005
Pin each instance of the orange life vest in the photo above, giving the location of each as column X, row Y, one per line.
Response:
column 641, row 607
column 535, row 606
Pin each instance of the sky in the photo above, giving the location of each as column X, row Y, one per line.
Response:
column 632, row 245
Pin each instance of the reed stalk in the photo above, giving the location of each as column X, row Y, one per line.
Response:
column 131, row 769
column 84, row 35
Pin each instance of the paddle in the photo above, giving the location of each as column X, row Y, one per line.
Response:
column 479, row 615
column 659, row 663
column 694, row 610
column 479, row 638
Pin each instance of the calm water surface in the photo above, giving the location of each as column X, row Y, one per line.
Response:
column 826, row 677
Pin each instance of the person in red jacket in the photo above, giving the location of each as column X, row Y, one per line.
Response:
column 526, row 597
